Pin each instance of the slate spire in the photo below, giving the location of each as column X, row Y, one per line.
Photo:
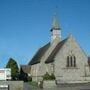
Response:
column 55, row 23
column 55, row 29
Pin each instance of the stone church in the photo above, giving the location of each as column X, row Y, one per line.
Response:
column 62, row 57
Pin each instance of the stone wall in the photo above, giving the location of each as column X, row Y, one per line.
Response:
column 38, row 70
column 64, row 73
column 13, row 85
column 49, row 84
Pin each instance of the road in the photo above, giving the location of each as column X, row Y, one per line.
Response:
column 60, row 87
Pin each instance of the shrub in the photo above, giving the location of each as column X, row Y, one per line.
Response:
column 48, row 77
column 23, row 76
column 52, row 76
column 30, row 78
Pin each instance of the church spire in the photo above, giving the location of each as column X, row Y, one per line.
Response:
column 55, row 24
column 55, row 29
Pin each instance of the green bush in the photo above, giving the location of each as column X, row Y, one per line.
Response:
column 52, row 76
column 48, row 77
column 29, row 78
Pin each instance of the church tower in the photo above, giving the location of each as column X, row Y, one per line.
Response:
column 55, row 29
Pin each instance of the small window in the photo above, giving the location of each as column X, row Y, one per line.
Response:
column 71, row 62
column 67, row 61
column 74, row 61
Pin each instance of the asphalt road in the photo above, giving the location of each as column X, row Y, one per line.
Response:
column 60, row 87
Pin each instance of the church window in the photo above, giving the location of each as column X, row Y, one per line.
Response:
column 71, row 61
column 67, row 61
column 74, row 61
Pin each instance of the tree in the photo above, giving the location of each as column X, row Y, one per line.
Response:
column 14, row 68
column 23, row 76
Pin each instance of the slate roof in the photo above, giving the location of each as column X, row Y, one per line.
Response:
column 55, row 51
column 36, row 59
column 55, row 24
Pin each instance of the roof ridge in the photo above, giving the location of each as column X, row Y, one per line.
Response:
column 55, row 51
